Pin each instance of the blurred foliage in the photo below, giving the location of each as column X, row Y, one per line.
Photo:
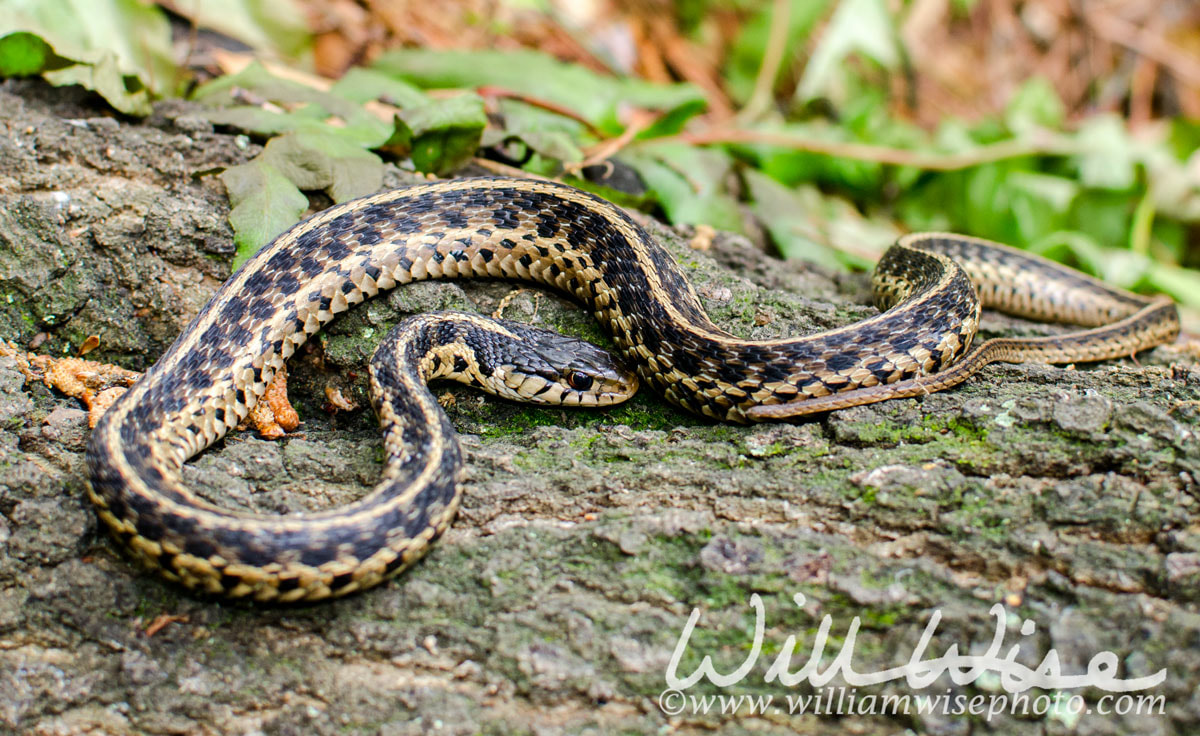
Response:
column 119, row 48
column 830, row 167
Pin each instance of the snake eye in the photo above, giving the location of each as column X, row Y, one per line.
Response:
column 580, row 381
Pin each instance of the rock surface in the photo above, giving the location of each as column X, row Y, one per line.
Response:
column 586, row 538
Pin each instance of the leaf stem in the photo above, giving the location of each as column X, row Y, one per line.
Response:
column 764, row 83
column 554, row 107
column 1042, row 145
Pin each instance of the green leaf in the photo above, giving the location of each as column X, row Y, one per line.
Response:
column 591, row 95
column 1110, row 156
column 985, row 203
column 256, row 80
column 104, row 77
column 319, row 160
column 275, row 26
column 792, row 166
column 1035, row 105
column 120, row 48
column 444, row 133
column 673, row 120
column 688, row 183
column 1073, row 248
column 293, row 107
column 265, row 203
column 365, row 85
column 1184, row 137
column 1182, row 284
column 22, row 54
column 1103, row 215
column 1039, row 202
column 1175, row 181
column 862, row 27
column 553, row 136
column 1124, row 268
column 790, row 219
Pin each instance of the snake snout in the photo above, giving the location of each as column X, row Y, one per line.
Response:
column 550, row 368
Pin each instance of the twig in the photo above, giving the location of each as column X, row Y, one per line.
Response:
column 604, row 150
column 764, row 83
column 1049, row 145
column 1120, row 31
column 554, row 107
column 232, row 62
column 500, row 169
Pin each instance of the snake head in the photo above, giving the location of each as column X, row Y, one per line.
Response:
column 507, row 359
column 532, row 365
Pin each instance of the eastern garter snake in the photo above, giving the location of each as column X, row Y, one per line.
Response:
column 554, row 235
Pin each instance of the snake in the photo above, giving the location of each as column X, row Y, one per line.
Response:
column 930, row 288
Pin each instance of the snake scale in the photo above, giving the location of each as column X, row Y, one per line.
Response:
column 931, row 287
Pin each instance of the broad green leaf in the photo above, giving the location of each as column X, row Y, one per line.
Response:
column 791, row 166
column 1169, row 241
column 1110, row 156
column 954, row 136
column 22, row 54
column 985, row 202
column 1184, row 138
column 591, row 95
column 257, row 80
column 121, row 48
column 1120, row 267
column 364, row 85
column 862, row 27
column 1073, row 248
column 1103, row 215
column 1182, row 284
column 550, row 135
column 319, row 160
column 278, row 27
column 265, row 203
column 363, row 133
column 444, row 133
column 688, row 182
column 801, row 222
column 1124, row 267
column 1175, row 181
column 293, row 107
column 1039, row 202
column 1035, row 105
column 673, row 120
column 355, row 176
column 105, row 78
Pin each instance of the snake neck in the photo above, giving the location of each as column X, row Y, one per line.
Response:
column 417, row 427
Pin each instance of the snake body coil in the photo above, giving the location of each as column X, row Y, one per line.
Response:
column 557, row 236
